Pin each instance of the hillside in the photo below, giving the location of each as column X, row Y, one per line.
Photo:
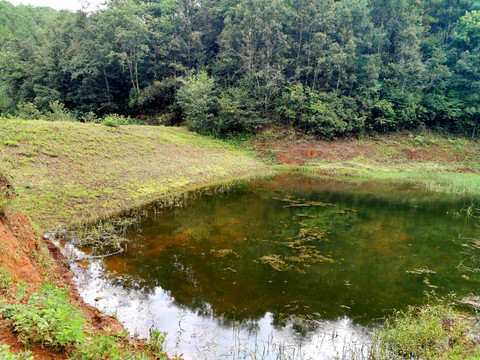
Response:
column 69, row 173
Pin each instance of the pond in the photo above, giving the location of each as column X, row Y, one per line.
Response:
column 285, row 267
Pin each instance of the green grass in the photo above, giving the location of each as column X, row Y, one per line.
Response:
column 428, row 179
column 433, row 331
column 71, row 173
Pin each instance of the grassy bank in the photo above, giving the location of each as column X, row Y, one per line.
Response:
column 431, row 161
column 68, row 173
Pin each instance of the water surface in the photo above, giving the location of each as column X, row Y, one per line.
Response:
column 286, row 267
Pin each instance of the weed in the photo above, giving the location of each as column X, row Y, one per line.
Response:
column 47, row 317
column 5, row 281
column 105, row 347
column 11, row 143
column 433, row 331
column 5, row 354
column 156, row 343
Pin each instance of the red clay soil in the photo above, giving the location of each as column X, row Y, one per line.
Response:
column 18, row 252
column 286, row 148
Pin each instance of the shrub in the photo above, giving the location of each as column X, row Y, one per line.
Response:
column 6, row 197
column 58, row 112
column 5, row 281
column 236, row 114
column 326, row 115
column 115, row 120
column 47, row 317
column 89, row 117
column 28, row 111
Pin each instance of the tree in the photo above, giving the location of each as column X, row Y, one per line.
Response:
column 198, row 102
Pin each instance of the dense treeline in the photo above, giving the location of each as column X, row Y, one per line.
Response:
column 330, row 68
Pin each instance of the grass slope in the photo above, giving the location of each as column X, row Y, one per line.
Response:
column 72, row 172
column 431, row 161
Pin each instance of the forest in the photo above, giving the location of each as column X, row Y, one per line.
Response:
column 328, row 68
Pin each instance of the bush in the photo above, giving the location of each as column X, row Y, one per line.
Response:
column 326, row 115
column 47, row 317
column 28, row 111
column 89, row 117
column 5, row 281
column 6, row 196
column 158, row 97
column 236, row 114
column 115, row 120
column 58, row 112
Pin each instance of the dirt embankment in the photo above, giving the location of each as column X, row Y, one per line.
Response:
column 31, row 261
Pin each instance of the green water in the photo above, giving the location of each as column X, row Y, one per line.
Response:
column 304, row 248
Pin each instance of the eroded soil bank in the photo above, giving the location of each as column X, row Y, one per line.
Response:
column 31, row 260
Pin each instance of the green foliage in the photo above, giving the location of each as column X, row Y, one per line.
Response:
column 156, row 343
column 47, row 317
column 98, row 347
column 5, row 197
column 324, row 114
column 103, row 347
column 237, row 113
column 5, row 281
column 198, row 102
column 28, row 111
column 115, row 120
column 5, row 354
column 11, row 143
column 89, row 117
column 58, row 112
column 360, row 68
column 433, row 331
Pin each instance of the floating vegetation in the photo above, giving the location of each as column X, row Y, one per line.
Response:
column 275, row 261
column 309, row 256
column 426, row 281
column 471, row 301
column 223, row 252
column 304, row 248
column 230, row 269
column 104, row 238
column 292, row 202
column 421, row 271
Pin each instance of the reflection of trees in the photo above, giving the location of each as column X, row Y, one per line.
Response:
column 206, row 255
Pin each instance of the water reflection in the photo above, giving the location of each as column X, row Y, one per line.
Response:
column 288, row 265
